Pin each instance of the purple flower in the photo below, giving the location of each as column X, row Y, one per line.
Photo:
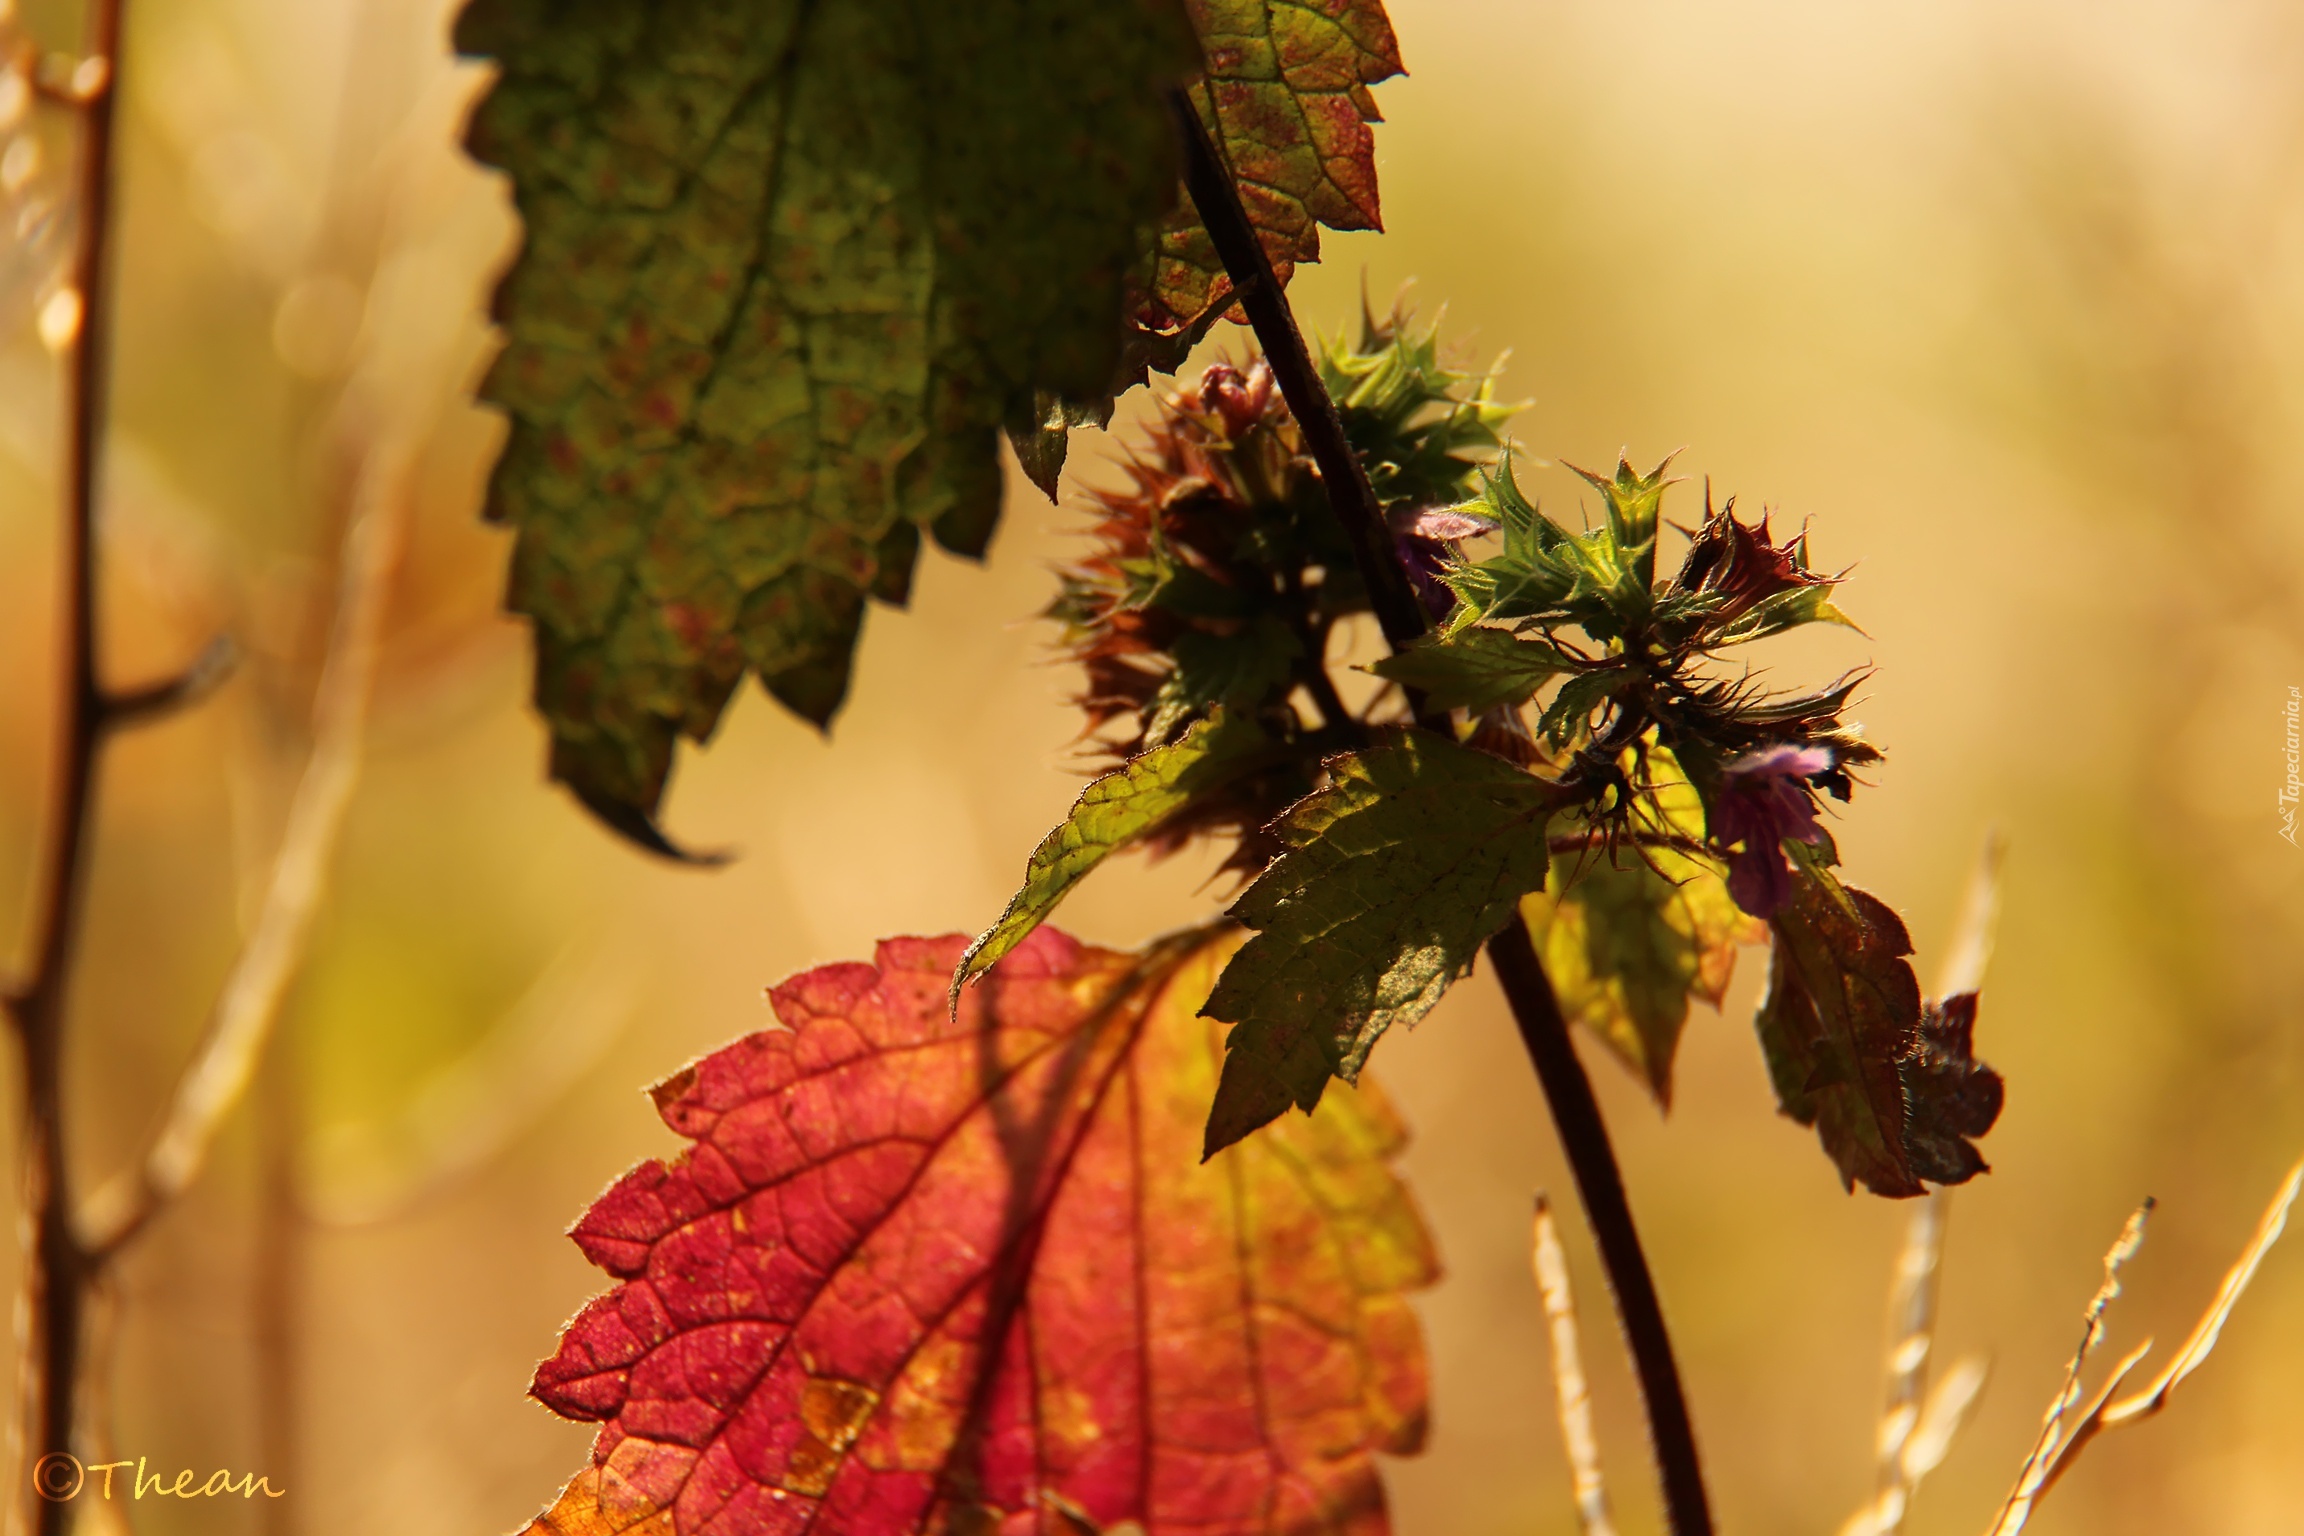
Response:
column 1764, row 798
column 1425, row 540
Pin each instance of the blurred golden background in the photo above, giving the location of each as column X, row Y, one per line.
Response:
column 2007, row 298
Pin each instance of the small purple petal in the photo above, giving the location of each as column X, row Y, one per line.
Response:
column 1760, row 879
column 1783, row 761
column 1764, row 799
column 1445, row 523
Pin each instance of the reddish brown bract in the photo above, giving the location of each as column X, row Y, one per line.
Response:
column 926, row 1275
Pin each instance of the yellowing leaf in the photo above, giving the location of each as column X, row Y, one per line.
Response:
column 1629, row 938
column 916, row 1274
column 788, row 268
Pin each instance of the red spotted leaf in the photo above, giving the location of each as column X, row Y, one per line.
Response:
column 924, row 1274
column 1286, row 100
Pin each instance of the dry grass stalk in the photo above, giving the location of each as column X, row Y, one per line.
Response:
column 1916, row 1425
column 2052, row 1457
column 1551, row 1266
column 2105, row 1414
column 2034, row 1473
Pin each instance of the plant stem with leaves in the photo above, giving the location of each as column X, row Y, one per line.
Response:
column 1567, row 1089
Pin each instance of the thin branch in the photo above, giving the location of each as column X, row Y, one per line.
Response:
column 123, row 709
column 1398, row 612
column 57, row 1270
column 250, row 1003
column 1575, row 1402
column 1575, row 1113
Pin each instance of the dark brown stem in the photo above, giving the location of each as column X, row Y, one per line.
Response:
column 1397, row 609
column 59, row 1267
column 1575, row 1113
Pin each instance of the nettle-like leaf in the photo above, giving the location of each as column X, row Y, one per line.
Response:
column 1841, row 1027
column 1598, row 580
column 1631, row 934
column 1476, row 669
column 917, row 1274
column 1285, row 100
column 1128, row 805
column 1396, row 872
column 788, row 269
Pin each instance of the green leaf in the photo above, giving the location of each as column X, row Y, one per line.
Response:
column 1629, row 940
column 1476, row 669
column 1785, row 610
column 1243, row 669
column 1113, row 811
column 1842, row 1012
column 1571, row 708
column 788, row 270
column 1633, row 501
column 1409, row 418
column 1396, row 873
column 1545, row 574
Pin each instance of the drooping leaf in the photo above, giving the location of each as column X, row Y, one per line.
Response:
column 788, row 270
column 917, row 1274
column 1630, row 937
column 1841, row 1027
column 1949, row 1095
column 1285, row 99
column 1395, row 874
column 1128, row 803
column 1476, row 669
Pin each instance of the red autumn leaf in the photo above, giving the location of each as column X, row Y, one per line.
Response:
column 919, row 1274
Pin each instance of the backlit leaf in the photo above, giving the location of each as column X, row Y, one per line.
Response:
column 1114, row 810
column 1475, row 669
column 1287, row 103
column 1630, row 938
column 918, row 1274
column 1395, row 874
column 788, row 269
column 1842, row 1028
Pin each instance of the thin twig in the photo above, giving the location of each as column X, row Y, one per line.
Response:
column 1536, row 1011
column 250, row 1003
column 129, row 707
column 56, row 1273
column 1551, row 1266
